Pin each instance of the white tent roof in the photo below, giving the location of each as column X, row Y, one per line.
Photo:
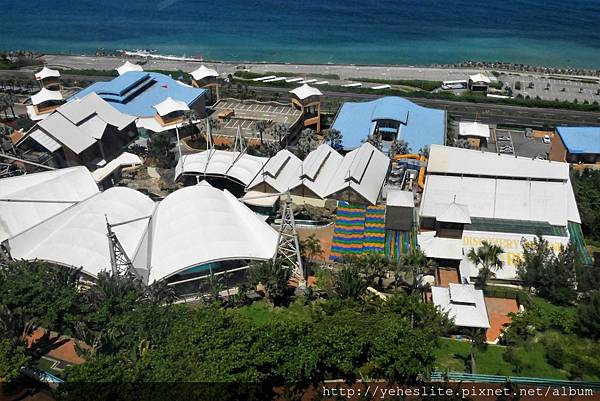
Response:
column 72, row 184
column 262, row 199
column 201, row 224
column 45, row 95
column 239, row 166
column 466, row 128
column 203, row 72
column 453, row 213
column 450, row 160
column 305, row 91
column 464, row 303
column 77, row 236
column 362, row 171
column 281, row 172
column 440, row 248
column 46, row 73
column 127, row 66
column 479, row 77
column 170, row 105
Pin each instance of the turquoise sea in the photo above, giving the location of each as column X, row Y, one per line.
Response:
column 539, row 32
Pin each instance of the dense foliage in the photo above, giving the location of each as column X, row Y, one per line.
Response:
column 587, row 192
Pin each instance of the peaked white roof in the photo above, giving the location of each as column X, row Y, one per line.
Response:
column 280, row 172
column 123, row 160
column 468, row 128
column 72, row 184
column 203, row 72
column 80, row 109
column 45, row 140
column 46, row 73
column 305, row 91
column 45, row 95
column 170, row 105
column 202, row 224
column 63, row 131
column 362, row 172
column 318, row 169
column 240, row 166
column 453, row 213
column 479, row 77
column 127, row 66
column 463, row 303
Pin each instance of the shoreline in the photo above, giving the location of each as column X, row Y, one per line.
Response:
column 465, row 65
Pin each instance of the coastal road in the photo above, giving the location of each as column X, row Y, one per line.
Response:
column 485, row 112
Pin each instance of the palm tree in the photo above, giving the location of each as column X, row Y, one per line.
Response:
column 399, row 147
column 307, row 141
column 191, row 116
column 477, row 342
column 261, row 127
column 412, row 266
column 374, row 140
column 488, row 257
column 333, row 137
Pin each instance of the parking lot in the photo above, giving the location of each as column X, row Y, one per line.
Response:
column 244, row 114
column 551, row 89
column 516, row 142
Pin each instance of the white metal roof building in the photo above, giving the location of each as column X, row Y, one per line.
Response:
column 440, row 248
column 463, row 303
column 60, row 189
column 498, row 187
column 280, row 173
column 318, row 169
column 360, row 176
column 78, row 124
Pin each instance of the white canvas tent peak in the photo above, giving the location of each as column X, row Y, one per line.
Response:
column 305, row 91
column 127, row 67
column 170, row 105
column 46, row 73
column 203, row 72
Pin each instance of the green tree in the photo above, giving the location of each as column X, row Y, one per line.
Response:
column 374, row 140
column 159, row 149
column 399, row 147
column 310, row 248
column 12, row 358
column 588, row 315
column 307, row 142
column 333, row 137
column 349, row 282
column 412, row 267
column 261, row 126
column 275, row 278
column 488, row 257
column 537, row 254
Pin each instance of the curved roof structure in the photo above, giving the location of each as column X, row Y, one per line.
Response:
column 203, row 72
column 46, row 73
column 201, row 224
column 60, row 189
column 45, row 95
column 170, row 105
column 583, row 140
column 127, row 67
column 419, row 126
column 305, row 91
column 240, row 167
column 76, row 237
column 479, row 77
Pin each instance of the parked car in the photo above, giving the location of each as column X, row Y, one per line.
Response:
column 546, row 139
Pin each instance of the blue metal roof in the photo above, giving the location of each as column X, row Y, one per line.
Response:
column 419, row 126
column 580, row 139
column 136, row 92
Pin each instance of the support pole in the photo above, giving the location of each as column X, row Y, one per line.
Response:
column 288, row 246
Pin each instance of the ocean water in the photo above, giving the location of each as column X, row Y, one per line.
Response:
column 539, row 32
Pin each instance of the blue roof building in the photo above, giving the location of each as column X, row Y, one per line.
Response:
column 576, row 144
column 137, row 92
column 392, row 118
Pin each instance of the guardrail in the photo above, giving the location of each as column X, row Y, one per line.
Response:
column 535, row 381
